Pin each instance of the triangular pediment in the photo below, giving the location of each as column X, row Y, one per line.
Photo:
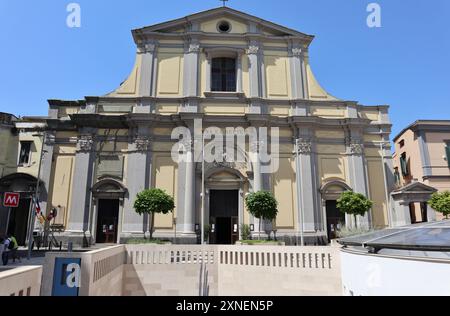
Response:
column 185, row 24
column 416, row 187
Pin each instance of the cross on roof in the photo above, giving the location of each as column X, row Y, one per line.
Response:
column 224, row 2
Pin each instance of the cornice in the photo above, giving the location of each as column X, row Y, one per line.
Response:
column 149, row 36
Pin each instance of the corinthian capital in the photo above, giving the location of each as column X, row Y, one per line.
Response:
column 194, row 47
column 148, row 47
column 356, row 149
column 142, row 143
column 304, row 146
column 297, row 51
column 253, row 49
column 50, row 138
column 85, row 143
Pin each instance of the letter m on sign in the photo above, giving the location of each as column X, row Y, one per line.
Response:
column 11, row 199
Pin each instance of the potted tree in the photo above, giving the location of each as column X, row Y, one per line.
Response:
column 263, row 206
column 354, row 204
column 153, row 201
column 440, row 202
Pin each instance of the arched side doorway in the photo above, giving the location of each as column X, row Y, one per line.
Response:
column 108, row 197
column 335, row 219
column 16, row 221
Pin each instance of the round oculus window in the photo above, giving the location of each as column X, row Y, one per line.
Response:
column 224, row 27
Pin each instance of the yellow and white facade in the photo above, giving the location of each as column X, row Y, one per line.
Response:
column 104, row 150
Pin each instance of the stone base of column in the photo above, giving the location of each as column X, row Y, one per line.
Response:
column 185, row 229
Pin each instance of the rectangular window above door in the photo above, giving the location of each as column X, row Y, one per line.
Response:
column 25, row 153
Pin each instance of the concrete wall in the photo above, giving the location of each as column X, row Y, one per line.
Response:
column 23, row 281
column 101, row 271
column 228, row 271
column 171, row 270
column 377, row 275
column 279, row 271
column 181, row 270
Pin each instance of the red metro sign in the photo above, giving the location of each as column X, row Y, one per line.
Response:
column 11, row 199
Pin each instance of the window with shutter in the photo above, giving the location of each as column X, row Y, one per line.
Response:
column 447, row 151
column 397, row 176
column 404, row 165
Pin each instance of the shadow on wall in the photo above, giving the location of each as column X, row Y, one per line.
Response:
column 134, row 284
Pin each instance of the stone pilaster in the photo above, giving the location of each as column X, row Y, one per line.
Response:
column 82, row 182
column 357, row 171
column 304, row 60
column 307, row 212
column 257, row 178
column 296, row 64
column 138, row 179
column 191, row 76
column 148, row 54
column 187, row 225
column 254, row 59
column 46, row 170
column 239, row 88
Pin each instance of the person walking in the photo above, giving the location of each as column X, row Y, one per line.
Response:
column 5, row 253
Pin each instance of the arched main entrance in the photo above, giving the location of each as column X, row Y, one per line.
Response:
column 225, row 191
column 108, row 196
column 335, row 219
column 226, row 183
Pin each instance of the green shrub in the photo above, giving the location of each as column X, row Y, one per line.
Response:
column 440, row 202
column 246, row 233
column 153, row 201
column 354, row 204
column 262, row 205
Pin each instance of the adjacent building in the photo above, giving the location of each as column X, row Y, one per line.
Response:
column 224, row 69
column 21, row 145
column 421, row 167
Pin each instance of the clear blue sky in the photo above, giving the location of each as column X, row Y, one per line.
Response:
column 404, row 64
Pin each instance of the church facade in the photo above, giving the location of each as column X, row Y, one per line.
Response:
column 224, row 69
